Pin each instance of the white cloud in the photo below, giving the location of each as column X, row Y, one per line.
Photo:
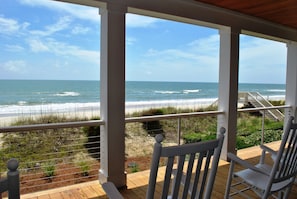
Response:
column 37, row 45
column 171, row 54
column 133, row 21
column 8, row 26
column 17, row 66
column 61, row 24
column 14, row 48
column 261, row 60
column 256, row 52
column 80, row 30
column 207, row 45
column 77, row 11
column 64, row 49
column 130, row 40
column 197, row 60
column 90, row 13
column 202, row 51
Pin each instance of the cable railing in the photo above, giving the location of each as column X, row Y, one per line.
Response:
column 72, row 156
column 178, row 117
column 263, row 110
column 52, row 155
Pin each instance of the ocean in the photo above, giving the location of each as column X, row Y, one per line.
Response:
column 21, row 97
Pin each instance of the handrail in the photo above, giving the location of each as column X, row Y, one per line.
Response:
column 258, row 99
column 51, row 126
column 171, row 116
column 101, row 122
column 263, row 108
column 127, row 120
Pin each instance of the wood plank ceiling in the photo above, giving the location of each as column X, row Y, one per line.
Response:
column 282, row 12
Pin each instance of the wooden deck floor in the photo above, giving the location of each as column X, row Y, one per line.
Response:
column 137, row 183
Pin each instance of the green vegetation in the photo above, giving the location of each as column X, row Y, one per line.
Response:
column 83, row 161
column 133, row 167
column 49, row 169
column 194, row 129
column 93, row 143
column 85, row 168
column 249, row 130
column 153, row 127
column 33, row 147
column 192, row 137
column 64, row 145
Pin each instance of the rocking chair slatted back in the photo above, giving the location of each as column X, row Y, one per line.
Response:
column 287, row 156
column 194, row 172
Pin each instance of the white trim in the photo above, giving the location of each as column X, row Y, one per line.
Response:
column 291, row 80
column 228, row 87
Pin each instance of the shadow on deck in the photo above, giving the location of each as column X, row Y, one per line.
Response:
column 137, row 183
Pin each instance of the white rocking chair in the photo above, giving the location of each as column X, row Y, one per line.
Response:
column 263, row 179
column 184, row 179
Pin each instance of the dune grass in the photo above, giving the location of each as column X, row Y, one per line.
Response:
column 139, row 136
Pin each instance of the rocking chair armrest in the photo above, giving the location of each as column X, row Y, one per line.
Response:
column 269, row 150
column 111, row 191
column 246, row 164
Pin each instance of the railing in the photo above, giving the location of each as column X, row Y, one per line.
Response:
column 51, row 126
column 65, row 159
column 52, row 155
column 263, row 110
column 259, row 101
column 178, row 117
column 69, row 156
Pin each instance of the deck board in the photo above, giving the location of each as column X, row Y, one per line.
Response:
column 137, row 183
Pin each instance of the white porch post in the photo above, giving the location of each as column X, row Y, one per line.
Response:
column 291, row 80
column 228, row 87
column 112, row 94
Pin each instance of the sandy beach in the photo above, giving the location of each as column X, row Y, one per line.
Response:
column 131, row 107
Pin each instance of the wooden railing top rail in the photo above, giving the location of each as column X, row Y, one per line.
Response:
column 263, row 108
column 101, row 122
column 127, row 120
column 172, row 116
column 51, row 126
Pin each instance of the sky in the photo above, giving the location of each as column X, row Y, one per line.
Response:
column 44, row 39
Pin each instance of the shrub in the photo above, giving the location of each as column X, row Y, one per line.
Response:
column 93, row 143
column 83, row 161
column 134, row 167
column 84, row 167
column 240, row 143
column 191, row 138
column 49, row 169
column 153, row 127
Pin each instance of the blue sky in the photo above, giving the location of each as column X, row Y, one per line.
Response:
column 44, row 39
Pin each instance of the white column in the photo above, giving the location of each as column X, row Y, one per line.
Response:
column 291, row 80
column 112, row 94
column 228, row 87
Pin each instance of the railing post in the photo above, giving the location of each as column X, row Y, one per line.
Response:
column 263, row 125
column 178, row 130
column 13, row 179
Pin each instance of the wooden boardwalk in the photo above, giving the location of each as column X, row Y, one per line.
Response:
column 137, row 183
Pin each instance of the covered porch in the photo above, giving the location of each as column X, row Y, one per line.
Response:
column 230, row 21
column 137, row 182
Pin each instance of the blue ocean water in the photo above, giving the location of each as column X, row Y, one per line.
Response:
column 42, row 96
